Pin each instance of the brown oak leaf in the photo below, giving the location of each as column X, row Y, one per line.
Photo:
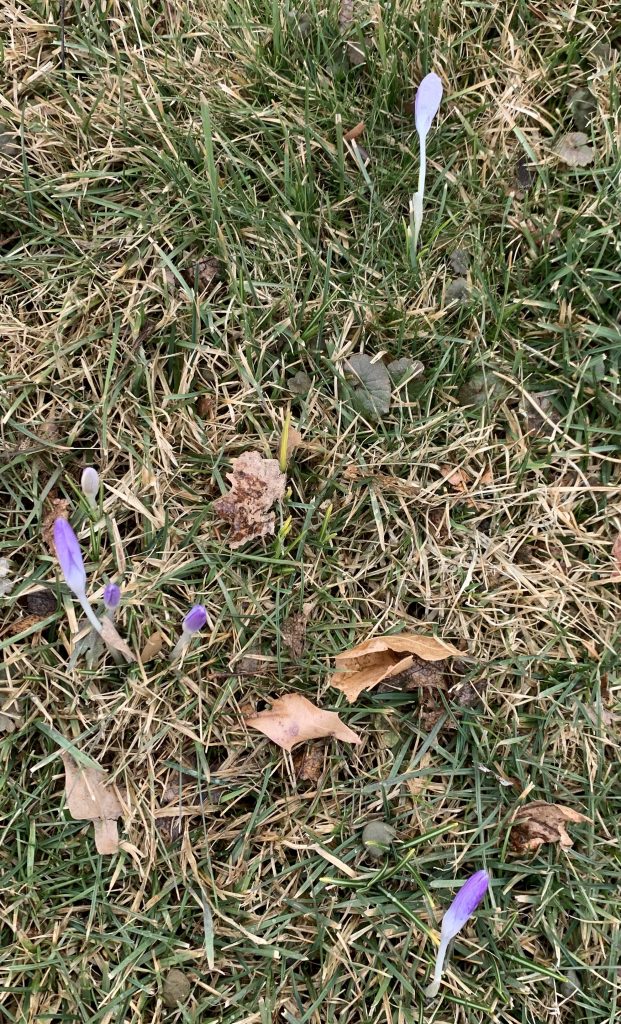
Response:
column 539, row 822
column 91, row 798
column 293, row 719
column 256, row 483
column 383, row 657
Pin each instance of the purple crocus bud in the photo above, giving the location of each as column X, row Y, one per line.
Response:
column 464, row 904
column 195, row 619
column 70, row 557
column 112, row 596
column 90, row 485
column 426, row 102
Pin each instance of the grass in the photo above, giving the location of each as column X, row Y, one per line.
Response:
column 178, row 132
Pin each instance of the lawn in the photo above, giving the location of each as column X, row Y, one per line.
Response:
column 191, row 250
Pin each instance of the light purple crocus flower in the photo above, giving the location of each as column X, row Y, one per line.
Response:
column 426, row 103
column 72, row 565
column 192, row 623
column 112, row 597
column 464, row 904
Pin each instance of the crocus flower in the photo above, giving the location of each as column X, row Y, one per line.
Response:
column 112, row 597
column 464, row 904
column 90, row 485
column 426, row 103
column 70, row 558
column 192, row 623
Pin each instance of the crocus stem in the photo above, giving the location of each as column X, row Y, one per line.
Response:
column 88, row 611
column 180, row 646
column 416, row 205
column 432, row 990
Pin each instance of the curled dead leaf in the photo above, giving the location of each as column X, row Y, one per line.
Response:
column 256, row 483
column 293, row 719
column 153, row 646
column 91, row 798
column 383, row 657
column 110, row 637
column 355, row 132
column 539, row 822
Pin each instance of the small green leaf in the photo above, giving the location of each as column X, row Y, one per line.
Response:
column 371, row 386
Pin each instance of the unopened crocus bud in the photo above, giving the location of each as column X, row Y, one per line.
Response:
column 90, row 485
column 192, row 623
column 112, row 597
column 464, row 904
column 195, row 619
column 70, row 558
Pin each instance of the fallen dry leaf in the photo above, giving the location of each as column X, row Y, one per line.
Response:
column 458, row 479
column 293, row 634
column 383, row 657
column 10, row 718
column 572, row 149
column 110, row 637
column 293, row 719
column 355, row 132
column 152, row 647
column 256, row 483
column 308, row 763
column 294, row 440
column 539, row 822
column 57, row 508
column 90, row 798
column 616, row 556
column 26, row 622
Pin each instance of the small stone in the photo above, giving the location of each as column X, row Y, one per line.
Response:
column 4, row 567
column 460, row 262
column 177, row 988
column 6, row 586
column 377, row 838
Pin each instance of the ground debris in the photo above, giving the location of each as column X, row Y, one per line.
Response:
column 256, row 484
column 293, row 719
column 539, row 822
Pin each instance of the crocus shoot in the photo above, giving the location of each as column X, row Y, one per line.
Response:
column 70, row 558
column 426, row 103
column 192, row 623
column 464, row 904
column 90, row 486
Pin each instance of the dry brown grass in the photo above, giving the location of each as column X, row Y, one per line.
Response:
column 109, row 357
